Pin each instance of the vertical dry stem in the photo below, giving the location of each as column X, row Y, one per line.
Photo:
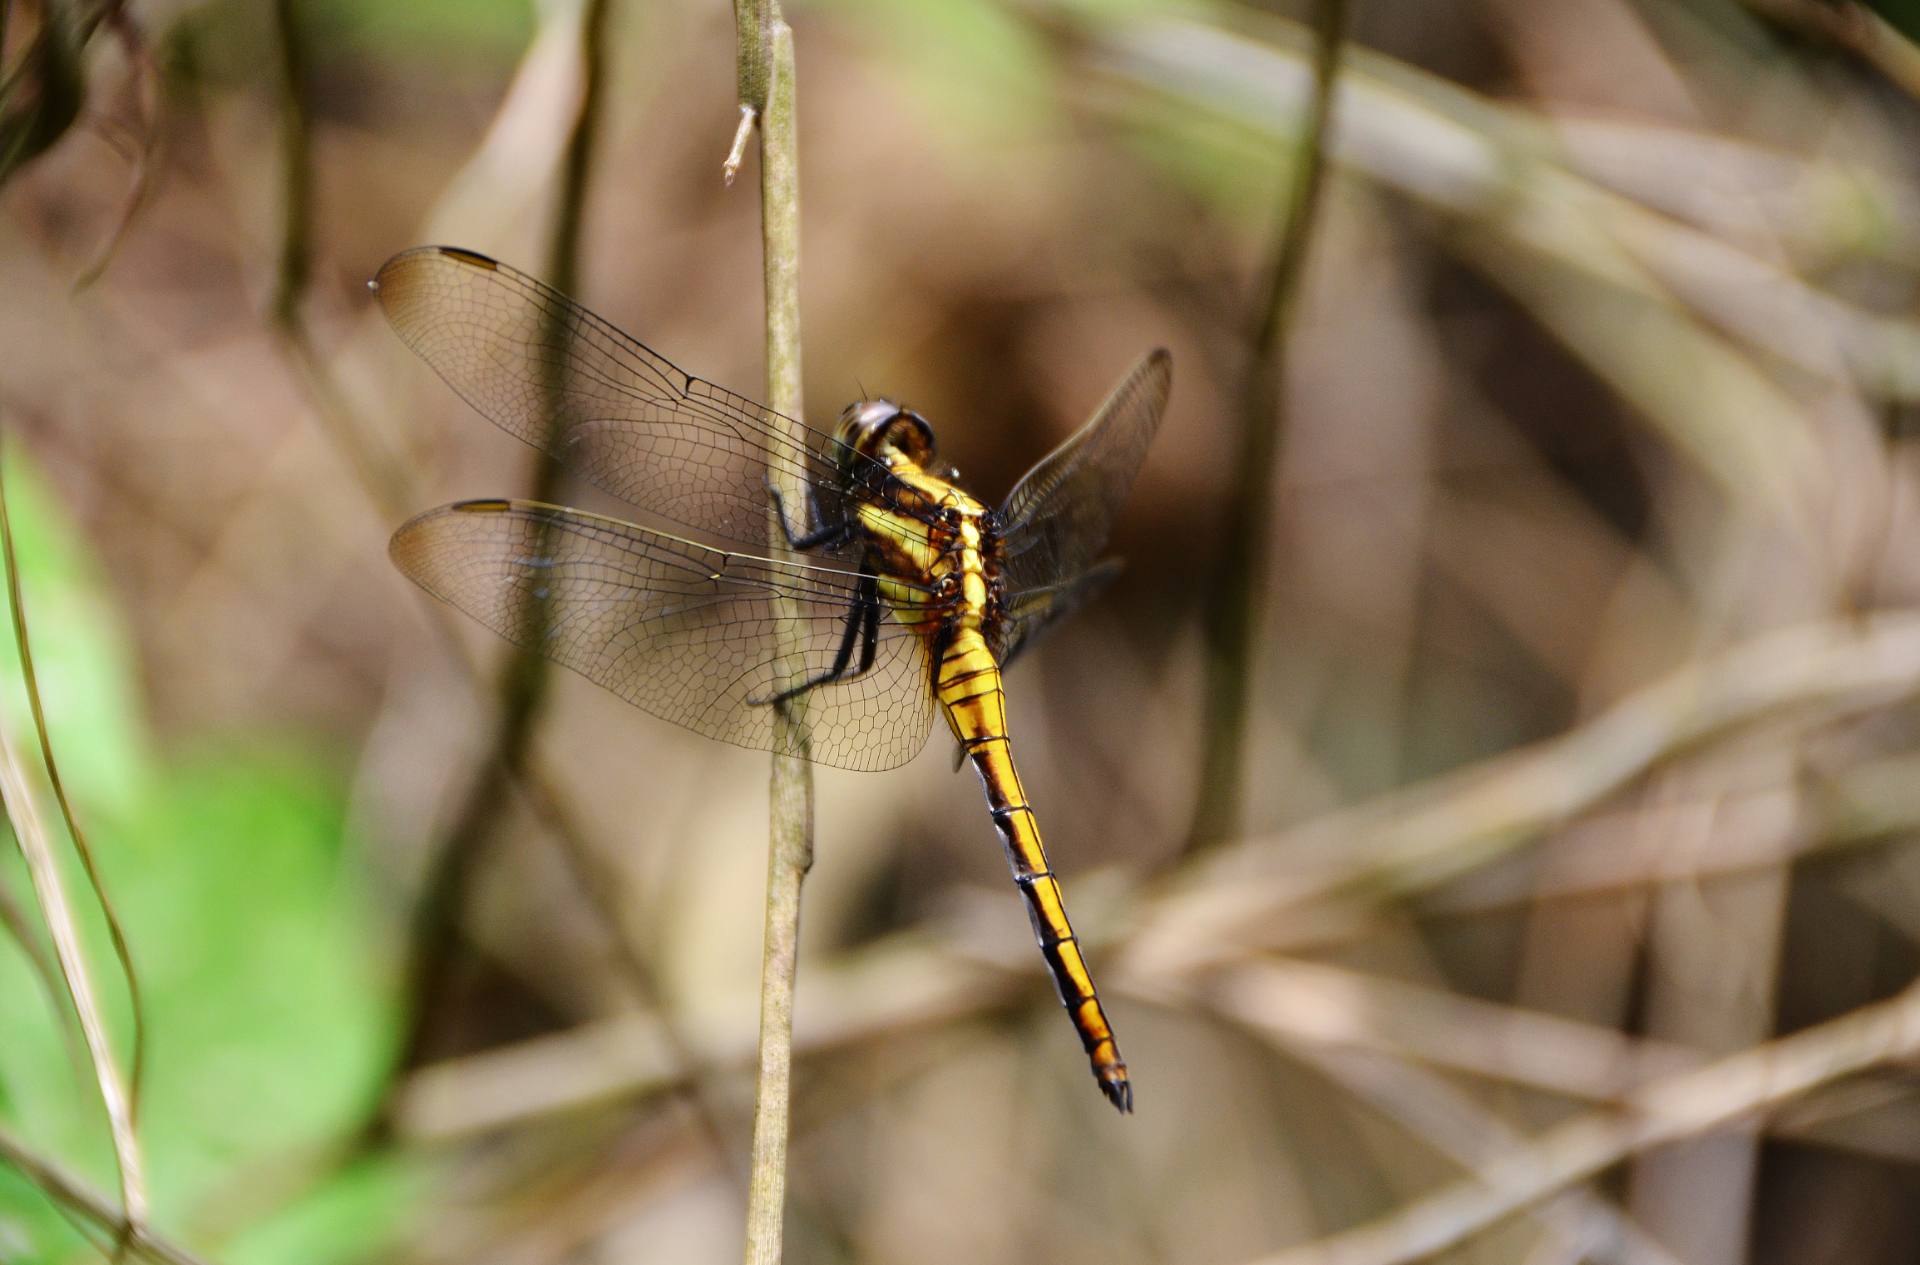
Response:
column 524, row 683
column 1234, row 604
column 790, row 840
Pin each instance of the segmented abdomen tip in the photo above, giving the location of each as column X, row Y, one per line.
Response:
column 1120, row 1094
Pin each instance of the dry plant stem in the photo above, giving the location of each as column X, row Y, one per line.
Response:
column 790, row 829
column 387, row 486
column 13, row 920
column 50, row 891
column 1235, row 601
column 525, row 680
column 46, row 86
column 1419, row 838
column 372, row 469
column 82, row 1200
column 1721, row 1093
column 145, row 158
column 44, row 870
column 1227, row 907
column 1605, row 273
column 1447, row 1118
column 116, row 930
column 1856, row 28
column 296, row 169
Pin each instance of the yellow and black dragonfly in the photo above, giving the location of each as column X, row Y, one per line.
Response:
column 905, row 593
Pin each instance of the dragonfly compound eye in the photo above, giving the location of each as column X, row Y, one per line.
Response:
column 913, row 434
column 872, row 426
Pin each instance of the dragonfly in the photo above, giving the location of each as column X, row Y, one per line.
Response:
column 871, row 594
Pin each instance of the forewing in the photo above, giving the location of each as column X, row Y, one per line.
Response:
column 684, row 631
column 556, row 376
column 1058, row 517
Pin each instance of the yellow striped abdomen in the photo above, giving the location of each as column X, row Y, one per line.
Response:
column 967, row 683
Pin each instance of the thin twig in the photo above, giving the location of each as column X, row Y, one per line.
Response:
column 387, row 488
column 790, row 827
column 1853, row 26
column 737, row 152
column 525, row 680
column 1416, row 839
column 14, row 921
column 77, row 1197
column 50, row 891
column 1234, row 903
column 570, row 214
column 1609, row 275
column 40, row 98
column 1740, row 1086
column 1447, row 1118
column 116, row 930
column 1234, row 602
column 296, row 169
column 145, row 157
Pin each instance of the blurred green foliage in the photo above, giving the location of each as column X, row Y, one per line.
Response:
column 975, row 66
column 429, row 27
column 270, row 1018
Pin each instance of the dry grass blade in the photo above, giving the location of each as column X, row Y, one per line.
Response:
column 50, row 892
column 116, row 930
column 13, row 917
column 1609, row 277
column 1684, row 1106
column 121, row 1099
column 1417, row 839
column 1851, row 25
column 1222, row 906
column 81, row 1200
column 1454, row 1125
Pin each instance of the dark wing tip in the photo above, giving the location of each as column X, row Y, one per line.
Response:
column 403, row 545
column 461, row 254
column 392, row 273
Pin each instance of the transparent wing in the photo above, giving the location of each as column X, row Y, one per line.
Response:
column 1057, row 519
column 1031, row 612
column 686, row 632
column 554, row 375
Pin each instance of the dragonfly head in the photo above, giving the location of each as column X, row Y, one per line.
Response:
column 871, row 427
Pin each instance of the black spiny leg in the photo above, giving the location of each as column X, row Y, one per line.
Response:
column 863, row 627
column 870, row 640
column 828, row 533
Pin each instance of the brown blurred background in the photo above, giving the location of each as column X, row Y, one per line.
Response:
column 1580, row 724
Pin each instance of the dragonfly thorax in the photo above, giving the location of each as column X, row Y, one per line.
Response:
column 873, row 427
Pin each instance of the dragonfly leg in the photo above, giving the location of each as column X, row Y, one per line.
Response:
column 827, row 533
column 869, row 639
column 863, row 628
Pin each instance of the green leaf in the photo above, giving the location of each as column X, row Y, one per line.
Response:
column 81, row 654
column 271, row 1014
